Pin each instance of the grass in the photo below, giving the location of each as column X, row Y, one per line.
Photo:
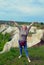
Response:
column 3, row 39
column 11, row 57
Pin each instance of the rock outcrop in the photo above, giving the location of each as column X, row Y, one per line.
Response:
column 31, row 41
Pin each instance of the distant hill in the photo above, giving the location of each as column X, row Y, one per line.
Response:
column 37, row 24
column 3, row 22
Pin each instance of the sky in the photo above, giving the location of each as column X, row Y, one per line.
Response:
column 22, row 10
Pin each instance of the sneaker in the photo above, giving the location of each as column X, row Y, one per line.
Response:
column 20, row 56
column 29, row 60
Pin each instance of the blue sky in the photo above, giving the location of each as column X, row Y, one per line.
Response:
column 22, row 10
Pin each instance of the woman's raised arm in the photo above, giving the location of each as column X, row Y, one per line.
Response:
column 17, row 25
column 30, row 25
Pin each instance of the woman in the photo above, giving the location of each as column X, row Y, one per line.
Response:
column 23, row 33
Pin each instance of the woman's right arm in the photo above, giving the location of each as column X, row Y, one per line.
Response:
column 16, row 24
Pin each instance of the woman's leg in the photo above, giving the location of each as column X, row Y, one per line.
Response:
column 25, row 49
column 20, row 47
column 26, row 52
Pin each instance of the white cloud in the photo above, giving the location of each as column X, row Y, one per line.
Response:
column 31, row 10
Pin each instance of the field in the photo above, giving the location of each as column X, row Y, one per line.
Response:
column 11, row 57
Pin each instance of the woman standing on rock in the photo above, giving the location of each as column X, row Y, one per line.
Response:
column 23, row 33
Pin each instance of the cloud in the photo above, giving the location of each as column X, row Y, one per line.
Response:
column 31, row 10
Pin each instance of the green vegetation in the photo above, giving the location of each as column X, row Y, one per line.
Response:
column 3, row 40
column 11, row 57
column 21, row 23
column 38, row 25
column 30, row 33
column 11, row 23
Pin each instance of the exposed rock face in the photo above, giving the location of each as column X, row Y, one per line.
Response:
column 33, row 29
column 43, row 36
column 3, row 27
column 30, row 40
column 12, row 43
column 36, row 38
column 8, row 30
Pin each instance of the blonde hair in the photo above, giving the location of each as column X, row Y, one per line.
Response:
column 24, row 26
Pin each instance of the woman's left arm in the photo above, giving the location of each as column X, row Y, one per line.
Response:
column 30, row 26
